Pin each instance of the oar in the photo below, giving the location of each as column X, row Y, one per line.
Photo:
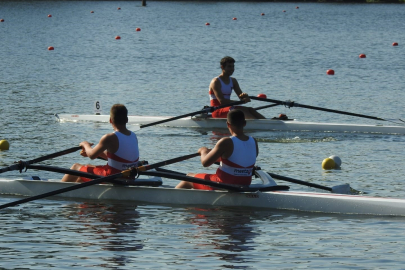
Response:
column 206, row 110
column 290, row 104
column 21, row 164
column 126, row 173
column 182, row 177
column 264, row 107
column 341, row 189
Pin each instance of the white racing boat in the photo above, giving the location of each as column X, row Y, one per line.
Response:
column 207, row 122
column 276, row 197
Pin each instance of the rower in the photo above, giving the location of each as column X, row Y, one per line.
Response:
column 220, row 91
column 237, row 155
column 119, row 148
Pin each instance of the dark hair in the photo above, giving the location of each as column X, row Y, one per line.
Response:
column 119, row 114
column 236, row 118
column 226, row 60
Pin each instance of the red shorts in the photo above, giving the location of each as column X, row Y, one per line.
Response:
column 221, row 113
column 103, row 171
column 207, row 177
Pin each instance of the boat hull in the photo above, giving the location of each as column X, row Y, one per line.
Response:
column 255, row 124
column 281, row 200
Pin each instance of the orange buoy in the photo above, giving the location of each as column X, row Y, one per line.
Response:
column 92, row 11
column 362, row 55
column 207, row 23
column 50, row 48
column 261, row 96
column 262, row 14
column 234, row 18
column 1, row 20
column 330, row 72
column 49, row 15
column 395, row 44
column 119, row 8
column 117, row 37
column 138, row 29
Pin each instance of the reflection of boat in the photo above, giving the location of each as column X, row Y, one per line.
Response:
column 277, row 199
column 203, row 121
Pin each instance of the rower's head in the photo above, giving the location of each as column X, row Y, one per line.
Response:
column 227, row 64
column 119, row 114
column 236, row 118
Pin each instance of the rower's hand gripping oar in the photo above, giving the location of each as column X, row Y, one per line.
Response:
column 206, row 110
column 340, row 189
column 290, row 104
column 127, row 173
column 20, row 165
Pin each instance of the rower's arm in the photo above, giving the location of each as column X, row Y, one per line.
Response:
column 239, row 92
column 223, row 149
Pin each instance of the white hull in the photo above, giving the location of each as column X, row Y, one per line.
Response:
column 282, row 200
column 259, row 124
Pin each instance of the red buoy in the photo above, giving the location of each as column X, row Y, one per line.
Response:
column 50, row 48
column 119, row 8
column 262, row 14
column 92, row 11
column 261, row 96
column 395, row 44
column 207, row 23
column 1, row 20
column 330, row 72
column 117, row 37
column 234, row 18
column 362, row 55
column 284, row 11
column 49, row 15
column 297, row 7
column 138, row 29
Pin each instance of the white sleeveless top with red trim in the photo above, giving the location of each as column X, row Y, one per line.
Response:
column 238, row 168
column 127, row 155
column 226, row 90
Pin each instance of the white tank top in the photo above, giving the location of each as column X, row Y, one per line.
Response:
column 127, row 155
column 238, row 167
column 226, row 90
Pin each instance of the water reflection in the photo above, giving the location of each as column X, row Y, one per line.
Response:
column 111, row 227
column 228, row 231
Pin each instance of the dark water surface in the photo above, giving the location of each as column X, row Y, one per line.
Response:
column 165, row 69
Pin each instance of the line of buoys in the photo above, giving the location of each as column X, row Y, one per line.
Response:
column 330, row 72
column 395, row 44
column 362, row 55
column 4, row 145
column 117, row 37
column 51, row 48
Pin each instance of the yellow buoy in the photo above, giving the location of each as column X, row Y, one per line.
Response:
column 328, row 164
column 4, row 145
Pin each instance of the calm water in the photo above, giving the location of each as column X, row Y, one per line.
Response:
column 165, row 69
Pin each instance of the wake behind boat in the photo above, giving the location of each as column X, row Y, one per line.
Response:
column 154, row 193
column 207, row 122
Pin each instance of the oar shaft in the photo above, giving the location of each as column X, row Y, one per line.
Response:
column 290, row 104
column 300, row 182
column 267, row 106
column 166, row 162
column 210, row 109
column 59, row 191
column 20, row 165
